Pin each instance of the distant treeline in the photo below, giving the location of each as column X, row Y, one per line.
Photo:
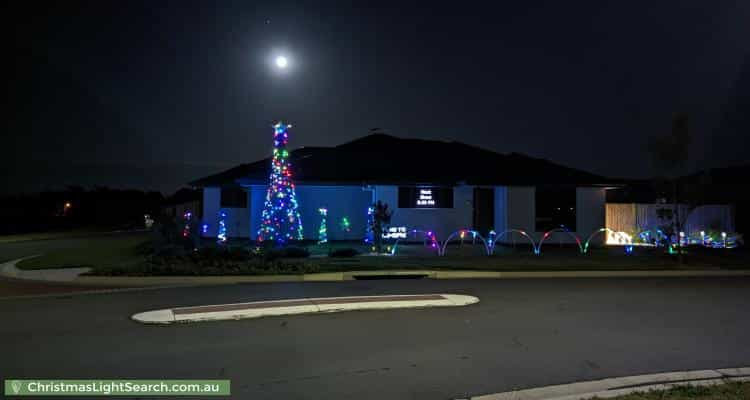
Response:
column 99, row 208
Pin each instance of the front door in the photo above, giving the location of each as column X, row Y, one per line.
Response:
column 484, row 210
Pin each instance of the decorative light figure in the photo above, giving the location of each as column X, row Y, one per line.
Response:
column 433, row 240
column 369, row 235
column 724, row 239
column 148, row 222
column 323, row 230
column 346, row 226
column 186, row 229
column 222, row 235
column 280, row 220
column 703, row 238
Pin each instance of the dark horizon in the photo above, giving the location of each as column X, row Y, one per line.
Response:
column 153, row 96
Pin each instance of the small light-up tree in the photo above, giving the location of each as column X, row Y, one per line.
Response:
column 323, row 229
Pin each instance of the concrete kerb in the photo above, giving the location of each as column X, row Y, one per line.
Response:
column 9, row 270
column 299, row 306
column 128, row 281
column 612, row 387
column 73, row 276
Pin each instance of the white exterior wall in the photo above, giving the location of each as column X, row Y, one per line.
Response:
column 519, row 213
column 591, row 213
column 238, row 219
column 341, row 201
column 442, row 221
column 501, row 209
column 515, row 208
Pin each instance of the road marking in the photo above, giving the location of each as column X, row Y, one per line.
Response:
column 259, row 309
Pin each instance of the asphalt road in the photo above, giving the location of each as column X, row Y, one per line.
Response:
column 523, row 333
column 19, row 249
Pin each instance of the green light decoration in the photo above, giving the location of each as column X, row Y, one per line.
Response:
column 323, row 230
column 346, row 226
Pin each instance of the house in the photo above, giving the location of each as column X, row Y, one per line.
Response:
column 430, row 185
column 183, row 201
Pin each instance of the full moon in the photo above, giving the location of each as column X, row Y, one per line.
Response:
column 281, row 62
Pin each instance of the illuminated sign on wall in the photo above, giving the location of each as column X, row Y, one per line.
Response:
column 395, row 232
column 425, row 197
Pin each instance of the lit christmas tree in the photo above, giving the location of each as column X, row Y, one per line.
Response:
column 280, row 221
column 323, row 230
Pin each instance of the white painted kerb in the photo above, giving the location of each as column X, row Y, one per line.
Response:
column 314, row 305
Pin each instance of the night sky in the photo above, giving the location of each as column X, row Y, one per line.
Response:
column 154, row 94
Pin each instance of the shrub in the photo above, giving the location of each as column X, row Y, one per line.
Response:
column 169, row 250
column 347, row 252
column 184, row 266
column 285, row 252
column 296, row 252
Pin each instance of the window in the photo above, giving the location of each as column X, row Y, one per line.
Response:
column 425, row 197
column 555, row 208
column 233, row 198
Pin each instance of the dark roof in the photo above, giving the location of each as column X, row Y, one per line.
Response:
column 384, row 159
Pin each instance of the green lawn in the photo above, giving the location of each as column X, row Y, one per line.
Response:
column 46, row 236
column 121, row 251
column 727, row 391
column 470, row 257
column 96, row 251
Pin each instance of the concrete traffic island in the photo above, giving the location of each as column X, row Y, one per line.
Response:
column 260, row 309
column 613, row 387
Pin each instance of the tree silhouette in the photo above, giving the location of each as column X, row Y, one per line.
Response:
column 670, row 155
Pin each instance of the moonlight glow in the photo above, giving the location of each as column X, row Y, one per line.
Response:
column 281, row 62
